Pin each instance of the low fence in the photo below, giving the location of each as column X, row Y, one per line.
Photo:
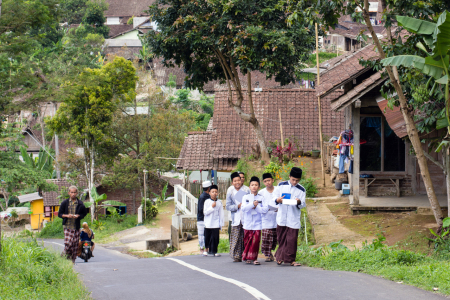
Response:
column 185, row 202
column 195, row 188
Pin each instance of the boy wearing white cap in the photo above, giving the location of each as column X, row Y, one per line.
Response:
column 201, row 217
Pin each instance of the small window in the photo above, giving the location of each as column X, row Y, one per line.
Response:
column 112, row 21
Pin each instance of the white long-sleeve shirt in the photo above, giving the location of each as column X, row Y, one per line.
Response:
column 252, row 218
column 269, row 219
column 214, row 216
column 233, row 200
column 289, row 215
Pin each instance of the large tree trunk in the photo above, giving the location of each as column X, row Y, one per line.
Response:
column 232, row 79
column 410, row 125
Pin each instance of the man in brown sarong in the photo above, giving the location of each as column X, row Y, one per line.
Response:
column 289, row 198
column 72, row 211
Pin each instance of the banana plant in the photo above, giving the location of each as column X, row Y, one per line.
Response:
column 99, row 198
column 436, row 63
column 43, row 162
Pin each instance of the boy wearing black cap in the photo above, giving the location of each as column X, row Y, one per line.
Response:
column 269, row 219
column 235, row 193
column 214, row 217
column 289, row 198
column 252, row 210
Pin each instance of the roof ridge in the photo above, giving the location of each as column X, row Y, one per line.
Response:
column 346, row 58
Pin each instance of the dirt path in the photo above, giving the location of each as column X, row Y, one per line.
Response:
column 328, row 229
column 135, row 238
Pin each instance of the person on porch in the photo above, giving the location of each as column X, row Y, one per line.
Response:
column 289, row 199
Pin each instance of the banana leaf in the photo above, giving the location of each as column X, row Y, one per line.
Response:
column 416, row 25
column 442, row 123
column 441, row 36
column 26, row 158
column 426, row 65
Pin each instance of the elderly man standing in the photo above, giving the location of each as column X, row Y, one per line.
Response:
column 72, row 211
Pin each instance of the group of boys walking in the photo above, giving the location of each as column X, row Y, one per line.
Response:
column 272, row 213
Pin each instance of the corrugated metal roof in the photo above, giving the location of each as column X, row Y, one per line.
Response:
column 29, row 197
column 394, row 118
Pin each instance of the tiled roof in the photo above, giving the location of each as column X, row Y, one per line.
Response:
column 345, row 70
column 196, row 152
column 210, row 125
column 234, row 137
column 359, row 90
column 394, row 117
column 162, row 73
column 115, row 30
column 130, row 28
column 128, row 8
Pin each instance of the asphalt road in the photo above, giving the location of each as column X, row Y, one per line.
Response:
column 112, row 275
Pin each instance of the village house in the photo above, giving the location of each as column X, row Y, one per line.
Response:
column 381, row 149
column 229, row 138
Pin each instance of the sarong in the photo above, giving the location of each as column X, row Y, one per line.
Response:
column 269, row 241
column 201, row 234
column 236, row 242
column 212, row 239
column 287, row 244
column 251, row 244
column 71, row 239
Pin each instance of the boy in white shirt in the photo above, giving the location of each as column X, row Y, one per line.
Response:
column 235, row 193
column 214, row 218
column 289, row 198
column 269, row 219
column 252, row 209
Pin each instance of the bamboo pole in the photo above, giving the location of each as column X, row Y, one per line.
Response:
column 281, row 129
column 319, row 106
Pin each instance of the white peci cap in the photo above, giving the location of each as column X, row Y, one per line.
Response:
column 206, row 184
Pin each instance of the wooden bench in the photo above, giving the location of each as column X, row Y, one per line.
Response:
column 394, row 178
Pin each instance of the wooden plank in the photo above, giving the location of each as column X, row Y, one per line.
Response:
column 357, row 153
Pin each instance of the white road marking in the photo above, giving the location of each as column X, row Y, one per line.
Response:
column 52, row 243
column 254, row 292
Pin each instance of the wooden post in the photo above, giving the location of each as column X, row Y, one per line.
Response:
column 281, row 128
column 319, row 106
column 356, row 153
column 145, row 194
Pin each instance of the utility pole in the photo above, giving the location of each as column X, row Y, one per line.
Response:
column 319, row 106
column 145, row 194
column 58, row 171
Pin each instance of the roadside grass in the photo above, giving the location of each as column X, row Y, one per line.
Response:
column 29, row 271
column 397, row 263
column 103, row 229
column 426, row 272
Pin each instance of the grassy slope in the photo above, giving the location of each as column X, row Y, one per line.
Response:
column 31, row 272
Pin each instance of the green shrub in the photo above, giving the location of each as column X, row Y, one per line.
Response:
column 224, row 246
column 53, row 230
column 29, row 271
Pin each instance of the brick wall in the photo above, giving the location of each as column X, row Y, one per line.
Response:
column 132, row 198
